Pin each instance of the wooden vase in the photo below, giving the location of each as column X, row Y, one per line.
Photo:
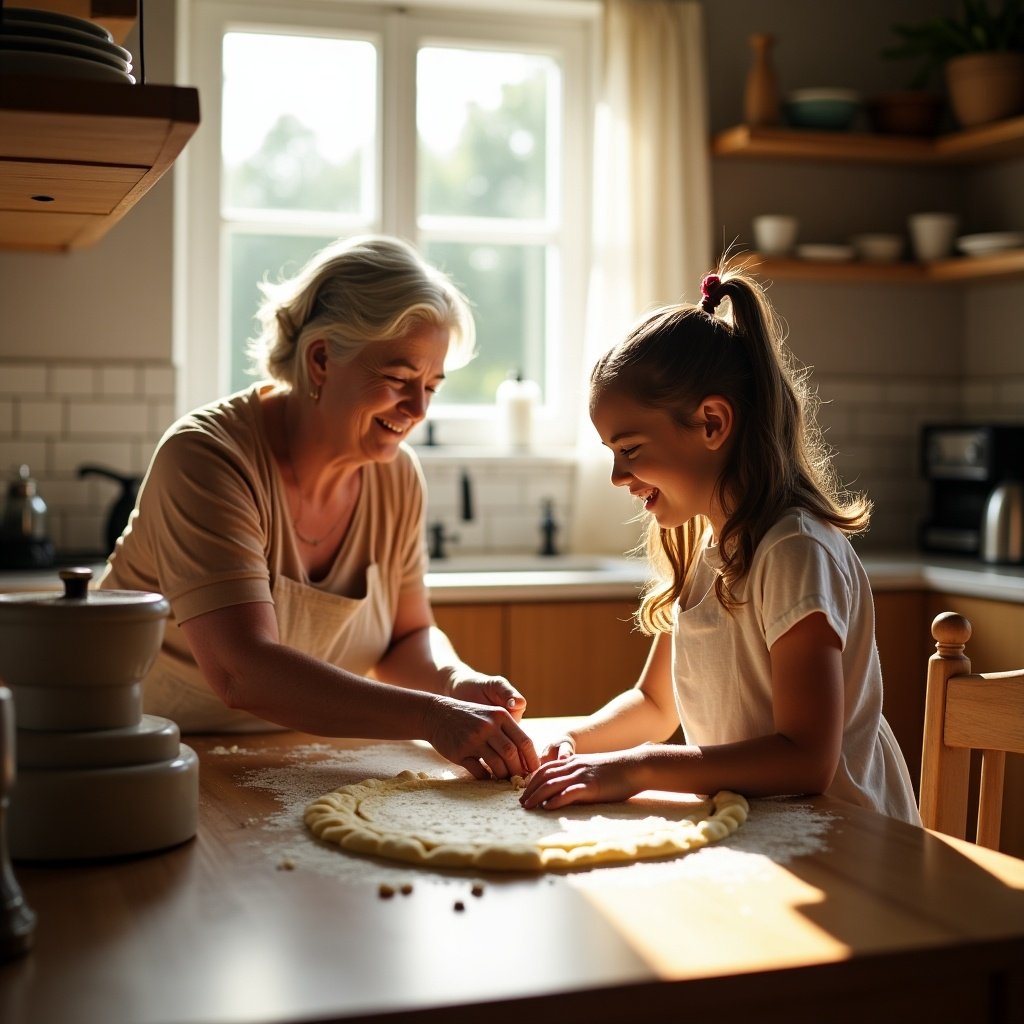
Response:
column 761, row 106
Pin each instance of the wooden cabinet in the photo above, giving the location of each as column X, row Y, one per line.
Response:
column 1002, row 140
column 903, row 649
column 567, row 658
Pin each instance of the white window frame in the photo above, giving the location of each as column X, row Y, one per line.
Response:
column 566, row 28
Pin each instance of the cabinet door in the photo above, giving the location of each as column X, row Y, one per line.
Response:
column 477, row 634
column 904, row 644
column 996, row 645
column 570, row 658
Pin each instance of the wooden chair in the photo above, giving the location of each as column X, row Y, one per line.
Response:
column 966, row 711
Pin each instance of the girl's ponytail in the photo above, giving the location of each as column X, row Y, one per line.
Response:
column 778, row 460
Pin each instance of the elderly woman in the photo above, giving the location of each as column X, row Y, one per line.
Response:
column 285, row 525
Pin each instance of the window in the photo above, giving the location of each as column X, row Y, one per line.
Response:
column 465, row 130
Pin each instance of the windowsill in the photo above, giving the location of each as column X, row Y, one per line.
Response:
column 482, row 455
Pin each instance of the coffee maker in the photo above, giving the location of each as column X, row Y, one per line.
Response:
column 964, row 465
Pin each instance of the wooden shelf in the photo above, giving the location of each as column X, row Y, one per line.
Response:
column 77, row 155
column 1002, row 140
column 967, row 269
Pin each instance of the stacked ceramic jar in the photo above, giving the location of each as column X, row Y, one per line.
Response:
column 95, row 776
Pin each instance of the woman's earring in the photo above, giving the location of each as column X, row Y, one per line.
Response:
column 314, row 393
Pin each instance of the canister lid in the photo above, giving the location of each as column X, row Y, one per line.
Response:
column 78, row 600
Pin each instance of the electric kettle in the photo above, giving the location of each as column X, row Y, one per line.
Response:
column 1002, row 524
column 24, row 537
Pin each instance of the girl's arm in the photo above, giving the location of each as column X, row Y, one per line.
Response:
column 646, row 712
column 800, row 756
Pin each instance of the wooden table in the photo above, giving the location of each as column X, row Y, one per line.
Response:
column 885, row 922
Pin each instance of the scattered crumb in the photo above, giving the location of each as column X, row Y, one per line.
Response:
column 459, row 906
column 233, row 749
column 478, row 889
column 286, row 865
column 406, row 888
column 385, row 892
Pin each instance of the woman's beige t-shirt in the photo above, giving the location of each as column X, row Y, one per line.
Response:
column 211, row 529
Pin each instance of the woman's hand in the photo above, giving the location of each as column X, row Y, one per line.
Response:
column 485, row 740
column 583, row 779
column 496, row 690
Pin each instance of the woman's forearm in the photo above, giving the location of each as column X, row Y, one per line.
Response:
column 422, row 660
column 328, row 701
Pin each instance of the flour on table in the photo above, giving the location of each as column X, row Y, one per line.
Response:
column 469, row 823
column 775, row 833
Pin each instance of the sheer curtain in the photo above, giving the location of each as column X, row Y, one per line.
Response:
column 652, row 216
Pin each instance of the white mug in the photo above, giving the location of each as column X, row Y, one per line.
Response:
column 775, row 233
column 932, row 235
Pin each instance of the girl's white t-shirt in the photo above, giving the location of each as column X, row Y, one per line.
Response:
column 721, row 663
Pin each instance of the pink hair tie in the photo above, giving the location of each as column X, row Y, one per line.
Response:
column 711, row 289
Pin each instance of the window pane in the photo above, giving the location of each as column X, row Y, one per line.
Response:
column 255, row 258
column 507, row 286
column 299, row 122
column 483, row 119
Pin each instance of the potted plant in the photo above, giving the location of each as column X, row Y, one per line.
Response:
column 981, row 54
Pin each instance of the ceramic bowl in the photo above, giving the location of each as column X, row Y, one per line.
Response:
column 822, row 109
column 878, row 248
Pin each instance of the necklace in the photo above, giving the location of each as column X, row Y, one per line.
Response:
column 313, row 542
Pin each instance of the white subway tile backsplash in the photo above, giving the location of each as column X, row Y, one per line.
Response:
column 105, row 418
column 58, row 416
column 40, row 416
column 23, row 379
column 158, row 380
column 117, row 380
column 72, row 380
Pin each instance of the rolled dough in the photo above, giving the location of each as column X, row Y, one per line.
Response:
column 465, row 823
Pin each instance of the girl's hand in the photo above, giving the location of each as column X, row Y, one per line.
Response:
column 496, row 690
column 558, row 750
column 485, row 740
column 583, row 779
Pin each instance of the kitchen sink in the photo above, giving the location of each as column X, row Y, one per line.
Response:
column 533, row 563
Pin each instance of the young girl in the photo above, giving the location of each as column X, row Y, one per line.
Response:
column 763, row 621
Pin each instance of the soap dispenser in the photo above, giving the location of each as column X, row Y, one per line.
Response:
column 516, row 400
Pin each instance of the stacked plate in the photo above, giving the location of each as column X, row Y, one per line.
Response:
column 47, row 43
column 990, row 242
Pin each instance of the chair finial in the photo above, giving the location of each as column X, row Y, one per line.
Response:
column 951, row 632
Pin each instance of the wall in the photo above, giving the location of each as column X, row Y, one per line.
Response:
column 886, row 358
column 87, row 344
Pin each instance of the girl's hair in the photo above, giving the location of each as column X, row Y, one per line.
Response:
column 678, row 356
column 352, row 293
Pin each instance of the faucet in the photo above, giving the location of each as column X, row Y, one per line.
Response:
column 548, row 528
column 465, row 497
column 438, row 536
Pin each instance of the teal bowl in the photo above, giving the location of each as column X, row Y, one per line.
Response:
column 822, row 109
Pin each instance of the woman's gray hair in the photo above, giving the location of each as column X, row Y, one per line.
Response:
column 352, row 293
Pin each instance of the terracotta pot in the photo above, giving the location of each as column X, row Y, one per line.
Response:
column 985, row 87
column 912, row 112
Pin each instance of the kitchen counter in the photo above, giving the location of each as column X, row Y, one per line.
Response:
column 254, row 922
column 499, row 578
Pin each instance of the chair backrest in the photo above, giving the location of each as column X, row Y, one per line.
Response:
column 966, row 711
